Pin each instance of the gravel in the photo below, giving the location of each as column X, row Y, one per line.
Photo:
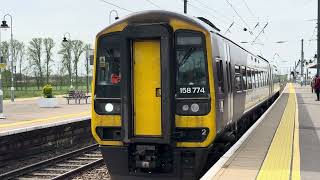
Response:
column 99, row 172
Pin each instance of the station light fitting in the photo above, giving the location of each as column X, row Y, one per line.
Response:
column 4, row 25
column 64, row 39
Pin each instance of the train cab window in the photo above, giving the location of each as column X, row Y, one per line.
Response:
column 244, row 77
column 237, row 81
column 108, row 67
column 191, row 64
column 249, row 78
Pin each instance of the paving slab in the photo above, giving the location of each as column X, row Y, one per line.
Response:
column 26, row 113
column 245, row 163
column 309, row 128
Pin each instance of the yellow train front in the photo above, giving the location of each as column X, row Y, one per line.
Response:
column 154, row 111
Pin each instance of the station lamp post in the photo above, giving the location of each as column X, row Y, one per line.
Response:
column 4, row 25
column 110, row 14
column 1, row 90
column 65, row 40
column 89, row 54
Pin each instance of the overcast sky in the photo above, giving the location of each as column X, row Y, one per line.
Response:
column 288, row 20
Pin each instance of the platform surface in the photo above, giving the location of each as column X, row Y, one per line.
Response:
column 285, row 145
column 24, row 114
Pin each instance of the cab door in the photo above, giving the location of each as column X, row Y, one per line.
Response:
column 147, row 88
column 147, row 84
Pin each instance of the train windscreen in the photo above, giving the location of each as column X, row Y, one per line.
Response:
column 108, row 75
column 191, row 66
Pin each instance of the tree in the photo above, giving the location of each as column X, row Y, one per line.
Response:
column 15, row 50
column 77, row 49
column 21, row 53
column 48, row 46
column 5, row 51
column 65, row 51
column 87, row 49
column 60, row 74
column 35, row 54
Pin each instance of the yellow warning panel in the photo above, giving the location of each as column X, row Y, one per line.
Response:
column 283, row 158
column 147, row 83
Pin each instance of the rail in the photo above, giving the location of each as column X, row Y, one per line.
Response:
column 59, row 167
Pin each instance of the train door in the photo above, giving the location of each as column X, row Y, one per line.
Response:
column 147, row 88
column 229, row 85
column 147, row 91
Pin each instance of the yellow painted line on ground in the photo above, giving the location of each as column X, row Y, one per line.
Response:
column 80, row 114
column 295, row 174
column 280, row 158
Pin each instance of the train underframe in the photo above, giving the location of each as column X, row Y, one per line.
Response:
column 160, row 161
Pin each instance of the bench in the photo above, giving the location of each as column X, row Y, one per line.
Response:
column 77, row 95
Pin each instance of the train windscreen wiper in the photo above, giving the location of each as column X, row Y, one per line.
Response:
column 186, row 56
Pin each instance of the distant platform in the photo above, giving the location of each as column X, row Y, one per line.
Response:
column 284, row 144
column 25, row 114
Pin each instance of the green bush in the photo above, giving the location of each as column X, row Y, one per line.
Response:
column 47, row 91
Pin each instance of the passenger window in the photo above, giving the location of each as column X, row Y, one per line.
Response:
column 220, row 74
column 265, row 78
column 244, row 77
column 249, row 78
column 254, row 82
column 237, row 81
column 228, row 77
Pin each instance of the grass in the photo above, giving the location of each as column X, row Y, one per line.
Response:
column 35, row 92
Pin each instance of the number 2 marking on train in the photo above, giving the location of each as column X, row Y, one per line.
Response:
column 204, row 132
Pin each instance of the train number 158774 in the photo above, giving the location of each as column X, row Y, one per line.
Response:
column 192, row 90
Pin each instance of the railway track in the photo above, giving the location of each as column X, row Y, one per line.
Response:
column 59, row 167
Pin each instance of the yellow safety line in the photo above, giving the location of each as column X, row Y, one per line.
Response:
column 45, row 119
column 295, row 174
column 280, row 157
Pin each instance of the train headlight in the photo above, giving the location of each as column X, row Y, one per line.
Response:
column 109, row 107
column 192, row 108
column 185, row 107
column 195, row 108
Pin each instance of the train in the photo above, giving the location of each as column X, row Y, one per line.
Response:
column 167, row 89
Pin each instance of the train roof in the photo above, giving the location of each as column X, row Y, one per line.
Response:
column 155, row 16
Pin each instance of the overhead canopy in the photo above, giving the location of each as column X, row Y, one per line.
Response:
column 312, row 65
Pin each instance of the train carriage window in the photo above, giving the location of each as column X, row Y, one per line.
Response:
column 237, row 81
column 191, row 64
column 249, row 78
column 220, row 74
column 108, row 66
column 265, row 78
column 253, row 78
column 257, row 78
column 244, row 77
column 260, row 79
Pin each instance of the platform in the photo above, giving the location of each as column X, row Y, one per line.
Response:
column 283, row 144
column 25, row 114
